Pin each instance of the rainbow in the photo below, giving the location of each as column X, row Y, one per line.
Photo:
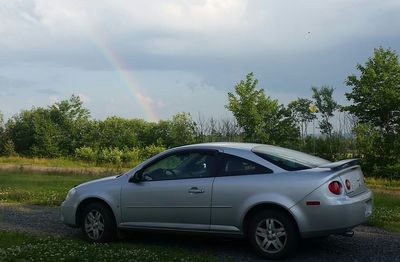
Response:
column 145, row 102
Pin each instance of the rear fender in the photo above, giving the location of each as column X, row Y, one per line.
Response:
column 266, row 198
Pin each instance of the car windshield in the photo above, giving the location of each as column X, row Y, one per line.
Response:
column 288, row 159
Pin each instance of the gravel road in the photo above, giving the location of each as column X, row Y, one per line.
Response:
column 368, row 243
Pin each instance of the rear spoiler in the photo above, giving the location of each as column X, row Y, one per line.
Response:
column 342, row 164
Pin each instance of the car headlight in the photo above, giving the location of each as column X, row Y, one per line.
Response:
column 70, row 193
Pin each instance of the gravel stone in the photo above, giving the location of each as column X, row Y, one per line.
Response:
column 34, row 219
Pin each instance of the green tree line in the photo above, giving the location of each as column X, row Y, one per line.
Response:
column 367, row 128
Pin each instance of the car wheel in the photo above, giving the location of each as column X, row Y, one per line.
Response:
column 272, row 234
column 98, row 223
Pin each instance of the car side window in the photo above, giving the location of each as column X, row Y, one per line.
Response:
column 180, row 166
column 234, row 166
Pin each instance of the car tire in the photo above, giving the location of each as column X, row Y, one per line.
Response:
column 272, row 234
column 98, row 223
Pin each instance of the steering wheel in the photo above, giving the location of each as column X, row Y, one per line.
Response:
column 169, row 173
column 147, row 177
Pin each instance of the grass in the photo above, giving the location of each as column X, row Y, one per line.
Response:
column 387, row 212
column 49, row 162
column 60, row 165
column 386, row 204
column 390, row 186
column 38, row 189
column 25, row 247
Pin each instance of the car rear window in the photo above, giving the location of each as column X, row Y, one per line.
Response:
column 288, row 159
column 231, row 165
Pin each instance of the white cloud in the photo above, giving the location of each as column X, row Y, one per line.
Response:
column 151, row 102
column 85, row 99
column 196, row 27
column 53, row 99
column 144, row 99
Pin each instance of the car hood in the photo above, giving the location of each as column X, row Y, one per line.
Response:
column 97, row 182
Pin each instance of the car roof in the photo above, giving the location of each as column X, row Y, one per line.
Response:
column 221, row 145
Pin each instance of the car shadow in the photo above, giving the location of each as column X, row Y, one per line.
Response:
column 231, row 249
column 367, row 244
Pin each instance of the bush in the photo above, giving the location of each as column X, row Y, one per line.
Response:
column 9, row 148
column 86, row 154
column 130, row 155
column 109, row 156
column 150, row 151
column 391, row 171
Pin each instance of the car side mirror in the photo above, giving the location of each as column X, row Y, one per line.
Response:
column 137, row 177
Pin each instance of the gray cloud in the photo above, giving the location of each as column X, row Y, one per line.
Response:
column 47, row 91
column 289, row 45
column 7, row 83
column 73, row 33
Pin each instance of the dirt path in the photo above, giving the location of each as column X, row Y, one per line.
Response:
column 34, row 219
column 368, row 244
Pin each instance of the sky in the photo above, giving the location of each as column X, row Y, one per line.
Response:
column 153, row 59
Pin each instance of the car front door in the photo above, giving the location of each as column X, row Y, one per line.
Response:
column 174, row 192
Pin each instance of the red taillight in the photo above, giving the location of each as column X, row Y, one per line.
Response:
column 335, row 187
column 313, row 203
column 348, row 184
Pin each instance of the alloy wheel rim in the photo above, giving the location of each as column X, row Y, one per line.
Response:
column 94, row 225
column 270, row 235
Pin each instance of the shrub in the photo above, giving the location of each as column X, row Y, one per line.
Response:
column 109, row 156
column 86, row 154
column 150, row 151
column 9, row 148
column 390, row 171
column 130, row 155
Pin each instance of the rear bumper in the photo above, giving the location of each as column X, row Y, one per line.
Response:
column 334, row 215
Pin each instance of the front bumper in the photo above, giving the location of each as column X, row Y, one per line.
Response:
column 68, row 214
column 333, row 215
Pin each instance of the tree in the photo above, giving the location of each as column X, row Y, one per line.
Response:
column 261, row 118
column 249, row 107
column 229, row 129
column 1, row 122
column 183, row 129
column 376, row 103
column 201, row 129
column 282, row 128
column 49, row 132
column 376, row 92
column 7, row 147
column 72, row 109
column 34, row 134
column 115, row 132
column 70, row 117
column 2, row 133
column 326, row 106
column 301, row 113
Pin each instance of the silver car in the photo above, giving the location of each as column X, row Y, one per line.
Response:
column 271, row 195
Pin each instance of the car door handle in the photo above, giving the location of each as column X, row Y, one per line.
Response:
column 195, row 190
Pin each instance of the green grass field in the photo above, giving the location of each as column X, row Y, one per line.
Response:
column 49, row 162
column 25, row 247
column 387, row 204
column 59, row 166
column 38, row 189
